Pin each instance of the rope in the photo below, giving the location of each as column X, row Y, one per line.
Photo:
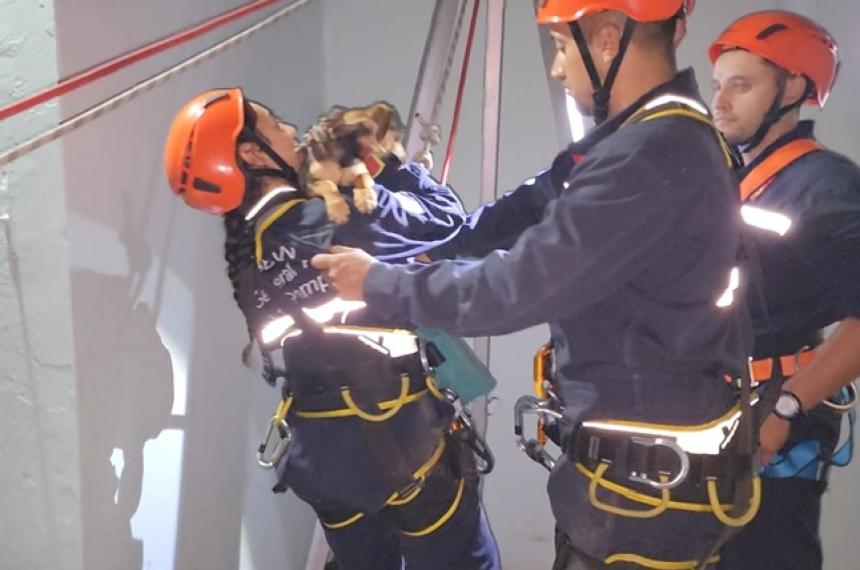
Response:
column 110, row 67
column 449, row 62
column 111, row 104
column 431, row 133
column 455, row 120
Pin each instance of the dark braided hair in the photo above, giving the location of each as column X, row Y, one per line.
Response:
column 239, row 242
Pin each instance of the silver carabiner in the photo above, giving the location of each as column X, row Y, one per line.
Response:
column 664, row 442
column 531, row 447
column 844, row 405
column 280, row 448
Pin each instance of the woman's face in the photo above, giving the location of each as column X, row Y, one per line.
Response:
column 280, row 135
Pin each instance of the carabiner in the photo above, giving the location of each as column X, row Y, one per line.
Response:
column 533, row 448
column 279, row 422
column 280, row 448
column 463, row 419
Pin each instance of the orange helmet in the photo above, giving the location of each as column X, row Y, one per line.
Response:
column 200, row 152
column 552, row 11
column 788, row 40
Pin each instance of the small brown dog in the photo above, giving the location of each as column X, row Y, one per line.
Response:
column 337, row 147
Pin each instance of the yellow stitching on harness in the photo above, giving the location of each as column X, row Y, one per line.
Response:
column 720, row 513
column 404, row 393
column 346, row 412
column 444, row 518
column 271, row 219
column 344, row 523
column 701, row 118
column 643, row 498
column 656, row 564
column 701, row 427
column 598, row 504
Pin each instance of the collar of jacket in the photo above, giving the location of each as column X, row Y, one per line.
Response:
column 683, row 84
column 803, row 130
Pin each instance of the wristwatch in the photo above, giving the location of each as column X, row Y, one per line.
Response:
column 788, row 406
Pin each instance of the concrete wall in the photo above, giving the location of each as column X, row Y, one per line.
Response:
column 40, row 526
column 134, row 448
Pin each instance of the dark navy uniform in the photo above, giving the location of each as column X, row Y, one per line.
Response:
column 623, row 247
column 369, row 450
column 810, row 280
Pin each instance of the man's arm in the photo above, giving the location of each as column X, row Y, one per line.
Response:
column 829, row 241
column 414, row 212
column 836, row 364
column 497, row 225
column 592, row 239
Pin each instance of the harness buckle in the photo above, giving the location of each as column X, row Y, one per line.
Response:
column 671, row 445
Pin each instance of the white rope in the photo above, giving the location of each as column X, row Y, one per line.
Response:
column 431, row 132
column 449, row 63
column 108, row 105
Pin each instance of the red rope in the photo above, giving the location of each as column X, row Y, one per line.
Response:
column 449, row 152
column 112, row 66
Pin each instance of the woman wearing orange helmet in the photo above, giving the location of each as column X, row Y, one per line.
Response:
column 621, row 248
column 803, row 203
column 370, row 442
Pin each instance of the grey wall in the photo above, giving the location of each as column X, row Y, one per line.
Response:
column 132, row 447
column 39, row 454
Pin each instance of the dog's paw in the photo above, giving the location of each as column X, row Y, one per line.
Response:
column 337, row 210
column 336, row 207
column 365, row 199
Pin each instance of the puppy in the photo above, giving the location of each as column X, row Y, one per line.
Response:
column 337, row 147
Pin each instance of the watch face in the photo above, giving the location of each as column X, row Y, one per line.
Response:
column 787, row 406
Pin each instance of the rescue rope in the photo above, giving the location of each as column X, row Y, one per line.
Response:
column 458, row 103
column 431, row 132
column 112, row 103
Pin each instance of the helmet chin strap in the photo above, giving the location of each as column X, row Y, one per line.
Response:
column 602, row 89
column 772, row 116
column 284, row 170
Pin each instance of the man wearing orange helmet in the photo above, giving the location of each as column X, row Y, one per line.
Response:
column 803, row 203
column 370, row 442
column 621, row 248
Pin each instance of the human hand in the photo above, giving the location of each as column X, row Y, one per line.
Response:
column 772, row 437
column 346, row 269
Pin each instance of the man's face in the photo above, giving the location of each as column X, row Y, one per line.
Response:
column 280, row 135
column 744, row 88
column 567, row 67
